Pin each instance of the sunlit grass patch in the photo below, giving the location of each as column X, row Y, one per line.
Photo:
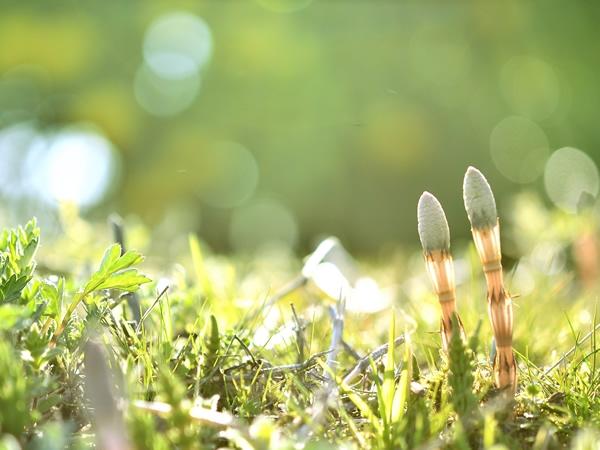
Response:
column 231, row 352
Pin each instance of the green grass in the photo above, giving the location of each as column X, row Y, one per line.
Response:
column 213, row 365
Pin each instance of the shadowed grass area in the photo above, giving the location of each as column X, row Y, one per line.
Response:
column 215, row 362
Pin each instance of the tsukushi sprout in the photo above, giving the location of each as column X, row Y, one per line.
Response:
column 481, row 209
column 435, row 239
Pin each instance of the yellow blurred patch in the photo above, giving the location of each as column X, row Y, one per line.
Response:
column 110, row 106
column 396, row 136
column 61, row 44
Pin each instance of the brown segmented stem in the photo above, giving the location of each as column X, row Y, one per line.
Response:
column 487, row 242
column 434, row 234
column 481, row 209
column 441, row 271
column 505, row 368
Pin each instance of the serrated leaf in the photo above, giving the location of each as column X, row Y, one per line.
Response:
column 130, row 258
column 53, row 295
column 28, row 253
column 110, row 257
column 12, row 315
column 114, row 264
column 11, row 289
column 126, row 280
column 31, row 228
column 115, row 272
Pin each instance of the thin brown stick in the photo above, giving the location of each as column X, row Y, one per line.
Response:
column 365, row 362
column 149, row 310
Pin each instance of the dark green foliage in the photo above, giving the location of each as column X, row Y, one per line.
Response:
column 189, row 353
column 460, row 379
column 116, row 272
column 417, row 427
column 182, row 432
column 145, row 433
column 213, row 344
column 17, row 249
column 15, row 398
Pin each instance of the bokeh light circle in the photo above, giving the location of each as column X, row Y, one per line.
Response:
column 262, row 224
column 530, row 86
column 15, row 142
column 164, row 97
column 570, row 173
column 78, row 166
column 519, row 149
column 234, row 175
column 177, row 45
column 523, row 281
column 549, row 258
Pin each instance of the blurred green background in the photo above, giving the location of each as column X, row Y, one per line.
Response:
column 283, row 120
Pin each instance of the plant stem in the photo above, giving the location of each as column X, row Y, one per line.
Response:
column 63, row 323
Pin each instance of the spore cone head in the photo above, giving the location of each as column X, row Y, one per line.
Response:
column 479, row 200
column 432, row 224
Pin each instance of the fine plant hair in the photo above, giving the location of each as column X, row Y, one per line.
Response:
column 461, row 380
column 434, row 234
column 481, row 210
